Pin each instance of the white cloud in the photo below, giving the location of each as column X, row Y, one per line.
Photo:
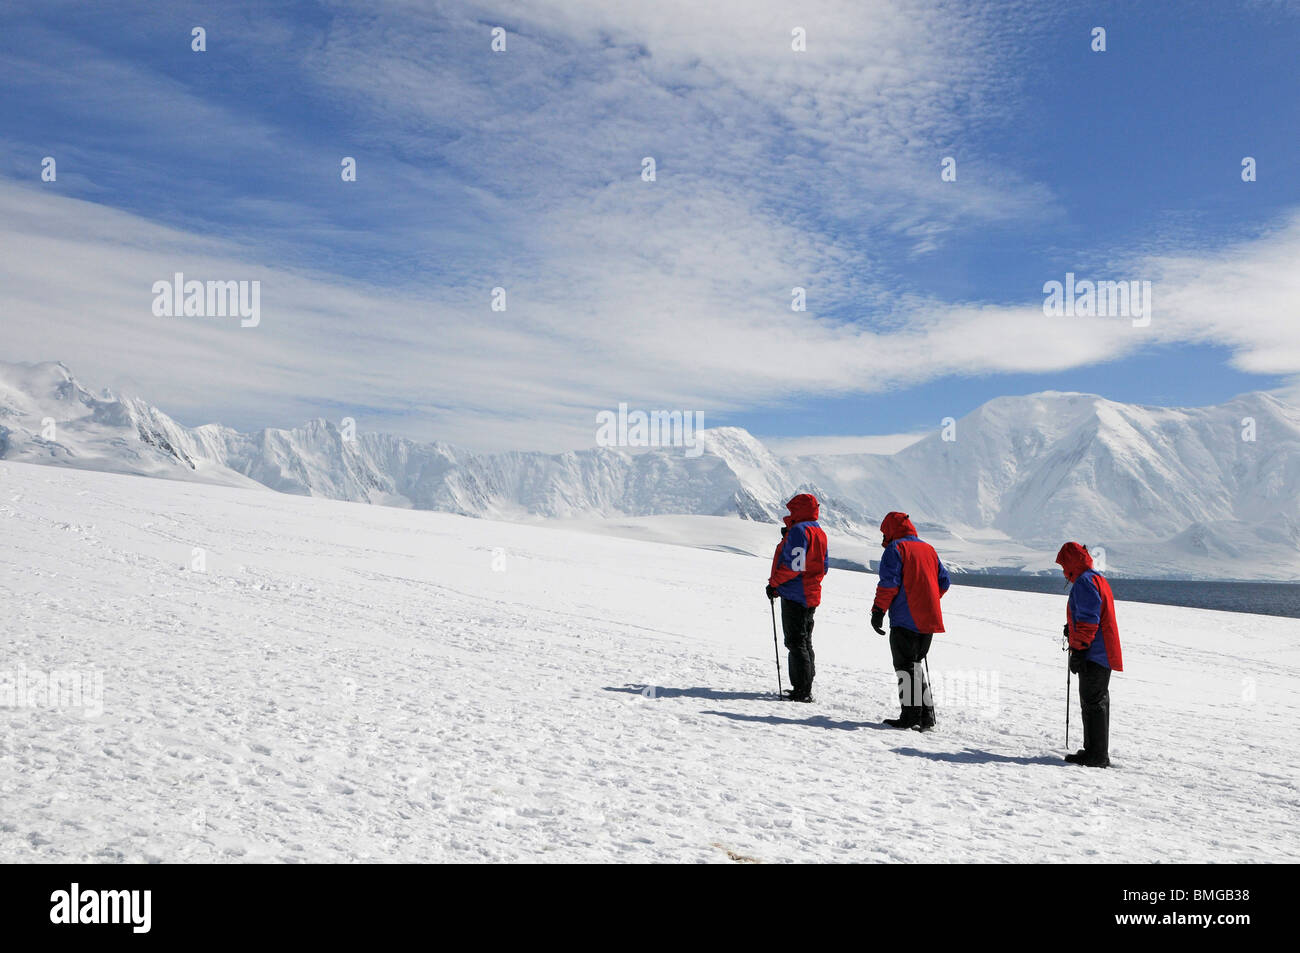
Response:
column 664, row 331
column 776, row 169
column 1245, row 295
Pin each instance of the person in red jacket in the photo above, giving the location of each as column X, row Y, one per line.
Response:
column 1089, row 612
column 798, row 566
column 912, row 581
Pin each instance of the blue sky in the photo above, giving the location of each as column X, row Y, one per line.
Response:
column 775, row 169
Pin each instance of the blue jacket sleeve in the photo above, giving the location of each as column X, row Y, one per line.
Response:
column 1085, row 603
column 944, row 581
column 891, row 569
column 794, row 539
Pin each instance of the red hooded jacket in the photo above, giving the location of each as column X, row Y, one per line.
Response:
column 912, row 577
column 799, row 562
column 1090, row 609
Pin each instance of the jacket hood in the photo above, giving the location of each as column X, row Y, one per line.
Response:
column 895, row 526
column 803, row 508
column 1074, row 559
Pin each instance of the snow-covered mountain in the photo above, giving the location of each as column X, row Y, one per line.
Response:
column 1165, row 491
column 1057, row 465
column 47, row 416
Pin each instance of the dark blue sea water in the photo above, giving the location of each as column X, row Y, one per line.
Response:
column 1264, row 598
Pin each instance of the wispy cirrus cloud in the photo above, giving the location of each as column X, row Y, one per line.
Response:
column 536, row 374
column 521, row 170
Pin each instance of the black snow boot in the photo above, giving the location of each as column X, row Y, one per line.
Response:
column 1088, row 761
column 927, row 721
column 797, row 695
column 1098, row 754
column 910, row 717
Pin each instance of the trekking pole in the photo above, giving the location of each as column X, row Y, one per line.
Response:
column 776, row 652
column 1066, row 648
column 930, row 683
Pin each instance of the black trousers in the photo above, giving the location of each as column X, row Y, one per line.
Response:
column 797, row 622
column 1094, row 701
column 909, row 650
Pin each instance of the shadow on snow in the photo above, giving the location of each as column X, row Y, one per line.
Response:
column 712, row 694
column 975, row 756
column 969, row 756
column 816, row 721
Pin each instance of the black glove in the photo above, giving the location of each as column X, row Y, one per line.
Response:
column 1065, row 631
column 1078, row 659
column 771, row 592
column 878, row 619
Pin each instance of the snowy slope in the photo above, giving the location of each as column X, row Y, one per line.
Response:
column 1163, row 491
column 367, row 683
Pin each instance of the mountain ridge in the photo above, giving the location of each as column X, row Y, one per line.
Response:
column 1035, row 469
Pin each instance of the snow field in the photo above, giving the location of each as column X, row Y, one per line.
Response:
column 359, row 683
